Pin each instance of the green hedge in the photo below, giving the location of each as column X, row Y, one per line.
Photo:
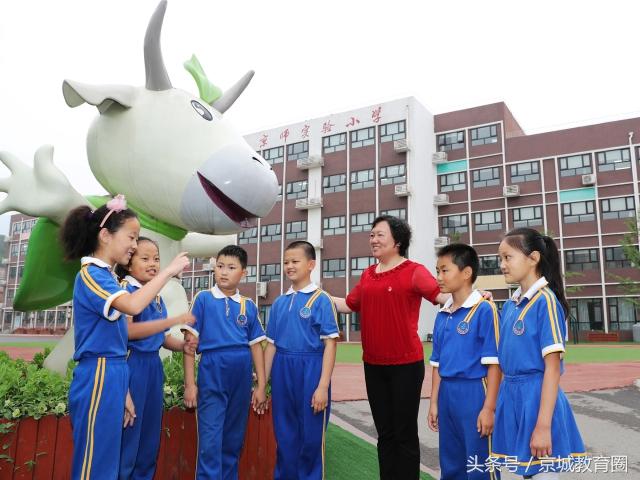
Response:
column 29, row 390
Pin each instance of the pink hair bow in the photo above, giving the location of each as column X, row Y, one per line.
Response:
column 116, row 204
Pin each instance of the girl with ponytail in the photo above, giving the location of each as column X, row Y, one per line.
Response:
column 99, row 401
column 533, row 418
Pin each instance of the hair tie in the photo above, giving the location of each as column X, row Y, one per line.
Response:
column 116, row 204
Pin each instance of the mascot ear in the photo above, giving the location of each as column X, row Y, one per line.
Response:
column 101, row 96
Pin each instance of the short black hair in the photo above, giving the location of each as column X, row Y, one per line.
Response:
column 309, row 250
column 400, row 231
column 235, row 251
column 462, row 256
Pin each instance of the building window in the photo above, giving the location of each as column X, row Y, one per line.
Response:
column 279, row 197
column 622, row 313
column 484, row 135
column 334, row 268
column 271, row 233
column 334, row 143
column 363, row 137
column 264, row 311
column 578, row 212
column 297, row 189
column 582, row 260
column 616, row 258
column 248, row 236
column 614, row 160
column 15, row 228
column 273, row 155
column 451, row 141
column 587, row 312
column 334, row 225
column 454, row 224
column 527, row 217
column 486, row 177
column 250, row 277
column 334, row 183
column 362, row 179
column 393, row 174
column 613, row 208
column 14, row 249
column 270, row 272
column 360, row 264
column 392, row 131
column 361, row 222
column 575, row 165
column 296, row 230
column 452, row 182
column 489, row 265
column 487, row 221
column 186, row 283
column 525, row 172
column 298, row 151
column 396, row 212
column 200, row 283
column 23, row 248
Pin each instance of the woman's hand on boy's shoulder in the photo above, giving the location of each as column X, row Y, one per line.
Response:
column 487, row 295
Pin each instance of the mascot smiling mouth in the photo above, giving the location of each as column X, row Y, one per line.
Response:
column 230, row 208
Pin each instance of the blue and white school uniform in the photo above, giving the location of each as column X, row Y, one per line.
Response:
column 101, row 378
column 465, row 342
column 141, row 441
column 532, row 326
column 299, row 323
column 227, row 327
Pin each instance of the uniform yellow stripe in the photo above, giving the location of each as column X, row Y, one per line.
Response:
column 555, row 313
column 333, row 307
column 496, row 322
column 551, row 316
column 96, row 382
column 91, row 286
column 95, row 284
column 243, row 305
column 313, row 298
column 469, row 316
column 95, row 414
column 530, row 304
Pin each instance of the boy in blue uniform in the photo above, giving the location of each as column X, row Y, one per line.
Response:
column 534, row 420
column 229, row 334
column 466, row 375
column 300, row 355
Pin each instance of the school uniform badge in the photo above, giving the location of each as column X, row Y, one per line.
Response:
column 242, row 320
column 305, row 312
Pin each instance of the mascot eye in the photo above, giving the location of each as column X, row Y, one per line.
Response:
column 202, row 111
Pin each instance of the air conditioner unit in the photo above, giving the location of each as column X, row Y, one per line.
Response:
column 589, row 179
column 511, row 190
column 441, row 199
column 400, row 146
column 312, row 161
column 402, row 190
column 309, row 202
column 439, row 157
column 261, row 289
column 440, row 242
column 207, row 267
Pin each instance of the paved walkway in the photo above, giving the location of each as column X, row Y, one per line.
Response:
column 348, row 379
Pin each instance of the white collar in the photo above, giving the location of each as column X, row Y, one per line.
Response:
column 312, row 287
column 133, row 281
column 471, row 301
column 96, row 261
column 217, row 293
column 540, row 283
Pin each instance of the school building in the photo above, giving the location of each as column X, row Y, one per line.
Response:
column 467, row 175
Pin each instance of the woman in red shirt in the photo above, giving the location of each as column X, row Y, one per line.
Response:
column 388, row 298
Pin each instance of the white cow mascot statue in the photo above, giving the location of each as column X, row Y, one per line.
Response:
column 188, row 175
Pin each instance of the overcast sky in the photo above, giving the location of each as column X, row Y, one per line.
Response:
column 555, row 63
